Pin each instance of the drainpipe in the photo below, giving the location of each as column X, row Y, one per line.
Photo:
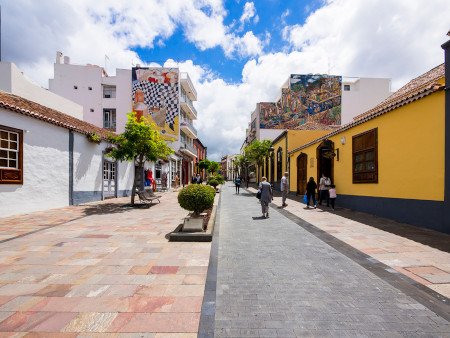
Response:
column 446, row 216
column 71, row 167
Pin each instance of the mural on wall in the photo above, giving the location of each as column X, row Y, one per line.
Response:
column 155, row 94
column 309, row 98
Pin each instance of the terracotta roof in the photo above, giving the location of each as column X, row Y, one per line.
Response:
column 416, row 89
column 316, row 126
column 410, row 89
column 32, row 109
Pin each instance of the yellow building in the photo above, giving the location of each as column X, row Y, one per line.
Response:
column 390, row 161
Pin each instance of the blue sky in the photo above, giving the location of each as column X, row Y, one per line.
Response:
column 237, row 53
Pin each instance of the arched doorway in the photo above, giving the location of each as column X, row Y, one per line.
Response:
column 325, row 160
column 302, row 162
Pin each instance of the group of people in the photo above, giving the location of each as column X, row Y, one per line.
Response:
column 326, row 191
column 197, row 179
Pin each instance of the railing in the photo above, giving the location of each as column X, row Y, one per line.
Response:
column 189, row 147
column 189, row 124
column 187, row 100
column 185, row 76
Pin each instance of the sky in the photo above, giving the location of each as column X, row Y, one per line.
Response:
column 236, row 52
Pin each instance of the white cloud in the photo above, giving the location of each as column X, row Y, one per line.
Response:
column 248, row 13
column 394, row 39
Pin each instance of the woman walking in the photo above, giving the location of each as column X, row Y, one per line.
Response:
column 311, row 192
column 266, row 196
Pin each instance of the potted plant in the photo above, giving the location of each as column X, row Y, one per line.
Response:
column 196, row 198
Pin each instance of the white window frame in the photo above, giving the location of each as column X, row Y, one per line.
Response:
column 109, row 118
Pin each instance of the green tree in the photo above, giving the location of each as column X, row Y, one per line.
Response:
column 213, row 167
column 140, row 142
column 257, row 151
column 204, row 164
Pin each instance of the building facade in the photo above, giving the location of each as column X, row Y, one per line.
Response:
column 202, row 152
column 164, row 94
column 47, row 160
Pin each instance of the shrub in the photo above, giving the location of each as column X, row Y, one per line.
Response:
column 219, row 178
column 213, row 182
column 94, row 138
column 196, row 198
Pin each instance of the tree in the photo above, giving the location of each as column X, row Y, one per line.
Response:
column 140, row 142
column 204, row 164
column 243, row 161
column 213, row 167
column 257, row 151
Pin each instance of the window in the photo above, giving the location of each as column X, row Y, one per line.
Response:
column 75, row 87
column 346, row 88
column 91, row 110
column 11, row 145
column 109, row 92
column 365, row 157
column 109, row 119
column 89, row 88
column 279, row 164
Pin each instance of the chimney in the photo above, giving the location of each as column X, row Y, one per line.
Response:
column 66, row 60
column 446, row 48
column 59, row 56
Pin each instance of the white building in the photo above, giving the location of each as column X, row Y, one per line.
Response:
column 358, row 96
column 13, row 81
column 47, row 160
column 106, row 100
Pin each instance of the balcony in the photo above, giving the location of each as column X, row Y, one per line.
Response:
column 188, row 106
column 188, row 128
column 186, row 83
column 188, row 149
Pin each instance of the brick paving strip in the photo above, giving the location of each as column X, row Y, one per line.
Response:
column 100, row 269
column 276, row 279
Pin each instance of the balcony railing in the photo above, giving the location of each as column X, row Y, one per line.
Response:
column 188, row 123
column 189, row 147
column 185, row 78
column 185, row 99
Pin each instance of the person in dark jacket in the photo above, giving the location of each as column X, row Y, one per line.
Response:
column 311, row 192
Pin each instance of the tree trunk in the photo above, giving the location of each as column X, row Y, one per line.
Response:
column 138, row 174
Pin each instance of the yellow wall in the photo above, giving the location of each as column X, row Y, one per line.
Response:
column 410, row 153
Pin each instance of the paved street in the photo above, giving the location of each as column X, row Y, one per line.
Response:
column 275, row 278
column 98, row 269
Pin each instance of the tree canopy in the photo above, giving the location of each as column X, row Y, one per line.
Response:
column 257, row 151
column 140, row 142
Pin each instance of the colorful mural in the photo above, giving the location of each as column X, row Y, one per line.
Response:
column 309, row 98
column 155, row 94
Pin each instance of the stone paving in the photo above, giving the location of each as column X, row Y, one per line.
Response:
column 100, row 269
column 421, row 254
column 275, row 279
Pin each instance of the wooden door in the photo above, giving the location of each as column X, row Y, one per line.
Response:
column 302, row 161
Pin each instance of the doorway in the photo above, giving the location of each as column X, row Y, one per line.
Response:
column 302, row 161
column 109, row 179
column 325, row 160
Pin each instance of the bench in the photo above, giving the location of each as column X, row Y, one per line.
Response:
column 148, row 196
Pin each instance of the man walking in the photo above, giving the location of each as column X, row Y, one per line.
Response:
column 284, row 188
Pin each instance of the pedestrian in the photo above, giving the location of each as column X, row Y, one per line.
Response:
column 284, row 188
column 333, row 195
column 266, row 196
column 237, row 183
column 311, row 192
column 177, row 181
column 324, row 186
column 199, row 179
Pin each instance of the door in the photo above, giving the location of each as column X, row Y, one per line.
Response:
column 109, row 179
column 302, row 161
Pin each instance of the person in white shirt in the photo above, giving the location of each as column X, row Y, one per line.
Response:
column 284, row 189
column 324, row 186
column 333, row 195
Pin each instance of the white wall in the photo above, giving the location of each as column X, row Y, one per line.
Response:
column 87, row 164
column 45, row 167
column 66, row 76
column 13, row 81
column 125, row 178
column 364, row 94
column 123, row 97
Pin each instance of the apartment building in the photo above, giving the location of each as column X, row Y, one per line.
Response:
column 164, row 94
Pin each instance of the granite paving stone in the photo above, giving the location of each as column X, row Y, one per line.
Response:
column 276, row 279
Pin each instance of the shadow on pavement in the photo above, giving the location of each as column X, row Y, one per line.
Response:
column 258, row 218
column 434, row 239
